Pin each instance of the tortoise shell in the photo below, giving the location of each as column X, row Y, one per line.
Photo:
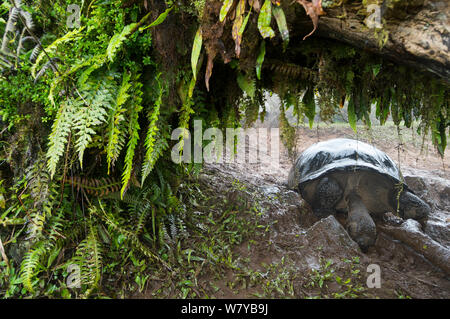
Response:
column 341, row 154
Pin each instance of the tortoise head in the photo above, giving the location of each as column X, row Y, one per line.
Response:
column 413, row 207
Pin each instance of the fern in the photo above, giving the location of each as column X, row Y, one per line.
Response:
column 88, row 257
column 29, row 267
column 98, row 96
column 49, row 65
column 96, row 186
column 60, row 132
column 152, row 153
column 10, row 27
column 5, row 63
column 20, row 44
column 133, row 130
column 115, row 130
column 27, row 19
column 43, row 195
column 139, row 206
column 44, row 226
column 31, row 263
column 94, row 63
column 114, row 224
column 117, row 40
column 55, row 227
column 56, row 83
column 51, row 49
column 173, row 230
column 160, row 145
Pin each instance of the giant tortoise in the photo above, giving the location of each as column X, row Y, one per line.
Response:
column 354, row 177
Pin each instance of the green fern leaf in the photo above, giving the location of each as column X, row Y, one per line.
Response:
column 115, row 130
column 150, row 156
column 133, row 130
column 58, row 137
column 117, row 40
column 88, row 257
column 29, row 267
column 99, row 96
column 51, row 49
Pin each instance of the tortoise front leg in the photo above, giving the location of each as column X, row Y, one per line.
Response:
column 360, row 225
column 327, row 195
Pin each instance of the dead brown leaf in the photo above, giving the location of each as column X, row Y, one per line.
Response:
column 314, row 10
column 237, row 37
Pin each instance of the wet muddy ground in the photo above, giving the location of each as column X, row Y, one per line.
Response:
column 322, row 260
column 293, row 254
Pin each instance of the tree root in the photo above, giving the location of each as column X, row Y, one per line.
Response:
column 410, row 233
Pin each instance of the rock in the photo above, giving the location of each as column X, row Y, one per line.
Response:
column 329, row 234
column 438, row 228
column 293, row 198
column 270, row 190
column 435, row 191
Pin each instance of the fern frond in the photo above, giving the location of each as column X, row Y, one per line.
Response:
column 27, row 18
column 150, row 155
column 133, row 129
column 49, row 65
column 55, row 227
column 88, row 257
column 99, row 97
column 30, row 264
column 110, row 221
column 5, row 62
column 60, row 132
column 19, row 46
column 35, row 53
column 143, row 213
column 94, row 63
column 6, row 221
column 51, row 49
column 12, row 20
column 43, row 194
column 58, row 80
column 159, row 146
column 117, row 40
column 22, row 41
column 96, row 186
column 10, row 27
column 116, row 131
column 17, row 3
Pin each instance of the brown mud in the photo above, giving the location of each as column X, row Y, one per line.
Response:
column 296, row 233
column 299, row 256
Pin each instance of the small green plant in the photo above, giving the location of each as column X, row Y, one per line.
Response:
column 319, row 277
